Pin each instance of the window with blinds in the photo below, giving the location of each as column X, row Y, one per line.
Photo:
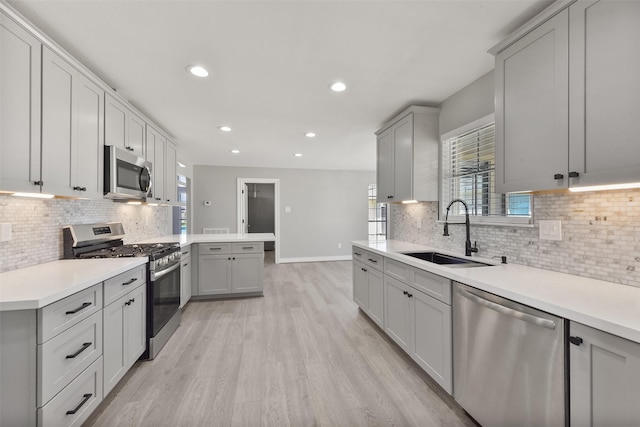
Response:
column 468, row 172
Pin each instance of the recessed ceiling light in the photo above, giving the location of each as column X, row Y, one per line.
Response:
column 225, row 128
column 338, row 86
column 198, row 71
column 235, row 151
column 310, row 135
column 297, row 155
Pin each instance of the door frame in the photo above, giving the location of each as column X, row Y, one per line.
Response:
column 276, row 206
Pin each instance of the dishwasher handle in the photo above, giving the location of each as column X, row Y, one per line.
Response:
column 538, row 321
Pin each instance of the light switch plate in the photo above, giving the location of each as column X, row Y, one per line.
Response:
column 5, row 232
column 550, row 229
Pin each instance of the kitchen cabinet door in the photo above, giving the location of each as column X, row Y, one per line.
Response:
column 171, row 175
column 247, row 272
column 385, row 168
column 20, row 71
column 88, row 161
column 124, row 335
column 115, row 123
column 532, row 118
column 72, row 130
column 397, row 312
column 185, row 280
column 431, row 345
column 604, row 378
column 605, row 96
column 375, row 284
column 407, row 150
column 136, row 131
column 155, row 154
column 115, row 354
column 136, row 334
column 214, row 274
column 361, row 285
column 57, row 124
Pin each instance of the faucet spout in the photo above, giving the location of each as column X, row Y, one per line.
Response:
column 468, row 249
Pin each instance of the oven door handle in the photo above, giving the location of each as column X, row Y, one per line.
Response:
column 156, row 276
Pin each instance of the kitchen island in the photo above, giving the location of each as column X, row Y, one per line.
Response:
column 220, row 265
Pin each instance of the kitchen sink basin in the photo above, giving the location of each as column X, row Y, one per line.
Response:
column 446, row 260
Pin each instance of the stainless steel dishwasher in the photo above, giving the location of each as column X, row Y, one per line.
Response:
column 508, row 361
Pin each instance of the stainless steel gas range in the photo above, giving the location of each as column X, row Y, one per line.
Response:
column 105, row 240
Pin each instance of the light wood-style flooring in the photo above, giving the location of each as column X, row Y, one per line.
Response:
column 302, row 355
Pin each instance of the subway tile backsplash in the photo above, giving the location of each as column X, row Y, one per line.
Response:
column 600, row 234
column 37, row 225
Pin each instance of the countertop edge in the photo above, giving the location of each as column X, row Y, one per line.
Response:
column 57, row 293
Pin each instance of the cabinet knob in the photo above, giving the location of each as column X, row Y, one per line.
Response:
column 558, row 176
column 574, row 174
column 409, row 295
column 389, row 197
column 575, row 341
column 38, row 183
column 405, row 292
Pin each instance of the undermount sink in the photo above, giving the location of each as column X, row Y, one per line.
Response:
column 446, row 260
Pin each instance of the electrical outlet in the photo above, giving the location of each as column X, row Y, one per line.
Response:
column 550, row 229
column 418, row 222
column 340, row 245
column 287, row 209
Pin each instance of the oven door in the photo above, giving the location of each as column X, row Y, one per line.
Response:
column 165, row 297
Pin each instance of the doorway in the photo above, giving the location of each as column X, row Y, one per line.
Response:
column 258, row 201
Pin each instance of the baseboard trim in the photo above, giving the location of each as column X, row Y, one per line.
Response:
column 315, row 259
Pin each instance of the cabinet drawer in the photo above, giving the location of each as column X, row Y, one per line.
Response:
column 62, row 358
column 61, row 315
column 185, row 251
column 214, row 248
column 397, row 270
column 368, row 258
column 123, row 283
column 249, row 247
column 73, row 405
column 433, row 285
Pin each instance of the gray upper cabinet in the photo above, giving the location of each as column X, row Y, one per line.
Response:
column 155, row 154
column 531, row 109
column 604, row 102
column 72, row 130
column 123, row 128
column 407, row 162
column 605, row 374
column 20, row 70
column 565, row 110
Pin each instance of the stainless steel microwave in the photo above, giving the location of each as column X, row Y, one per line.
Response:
column 126, row 176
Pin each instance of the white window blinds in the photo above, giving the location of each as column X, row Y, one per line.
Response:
column 468, row 169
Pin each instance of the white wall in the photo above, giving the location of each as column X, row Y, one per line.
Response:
column 327, row 207
column 468, row 104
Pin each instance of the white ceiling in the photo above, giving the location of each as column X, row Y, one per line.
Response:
column 270, row 65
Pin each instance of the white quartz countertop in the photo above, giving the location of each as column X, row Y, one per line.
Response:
column 603, row 305
column 188, row 239
column 40, row 285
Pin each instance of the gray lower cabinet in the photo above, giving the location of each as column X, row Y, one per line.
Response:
column 416, row 307
column 230, row 268
column 54, row 360
column 124, row 334
column 185, row 276
column 368, row 291
column 604, row 378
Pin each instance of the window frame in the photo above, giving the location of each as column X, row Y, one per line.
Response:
column 497, row 220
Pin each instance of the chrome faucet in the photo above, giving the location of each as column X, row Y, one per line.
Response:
column 468, row 249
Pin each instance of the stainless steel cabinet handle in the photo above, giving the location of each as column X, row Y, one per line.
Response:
column 538, row 321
